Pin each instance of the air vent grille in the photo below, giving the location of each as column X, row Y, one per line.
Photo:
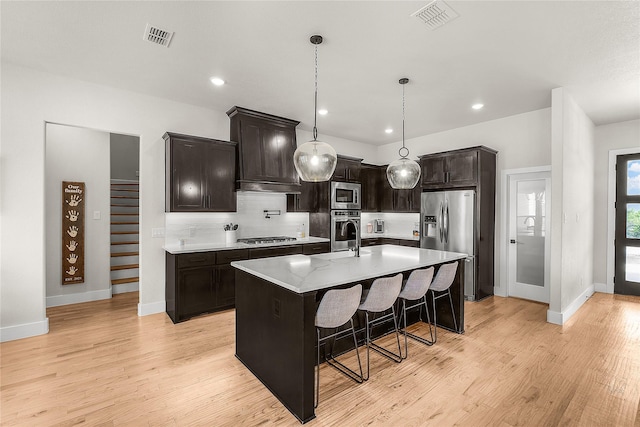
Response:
column 436, row 14
column 157, row 36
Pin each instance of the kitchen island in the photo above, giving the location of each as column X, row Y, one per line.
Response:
column 276, row 301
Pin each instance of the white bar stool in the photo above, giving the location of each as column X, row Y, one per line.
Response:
column 416, row 289
column 442, row 284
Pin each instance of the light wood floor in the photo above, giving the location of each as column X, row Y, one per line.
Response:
column 102, row 365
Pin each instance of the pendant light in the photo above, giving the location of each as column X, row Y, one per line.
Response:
column 315, row 160
column 403, row 173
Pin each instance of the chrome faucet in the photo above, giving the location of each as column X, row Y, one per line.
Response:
column 355, row 225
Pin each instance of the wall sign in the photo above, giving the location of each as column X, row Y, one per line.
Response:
column 73, row 197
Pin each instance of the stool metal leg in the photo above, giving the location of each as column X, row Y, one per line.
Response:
column 423, row 302
column 435, row 314
column 383, row 351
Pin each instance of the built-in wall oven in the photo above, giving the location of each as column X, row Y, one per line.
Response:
column 345, row 229
column 345, row 195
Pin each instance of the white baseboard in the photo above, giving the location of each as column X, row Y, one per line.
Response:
column 58, row 300
column 499, row 291
column 10, row 333
column 151, row 308
column 125, row 287
column 604, row 288
column 560, row 318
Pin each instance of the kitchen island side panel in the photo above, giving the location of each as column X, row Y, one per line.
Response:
column 275, row 340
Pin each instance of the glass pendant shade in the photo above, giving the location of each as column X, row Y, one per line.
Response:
column 403, row 174
column 315, row 161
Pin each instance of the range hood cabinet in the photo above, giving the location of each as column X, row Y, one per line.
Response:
column 266, row 144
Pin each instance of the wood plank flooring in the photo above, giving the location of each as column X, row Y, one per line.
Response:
column 102, row 365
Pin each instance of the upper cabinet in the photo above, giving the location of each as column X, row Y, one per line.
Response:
column 370, row 181
column 200, row 174
column 266, row 145
column 393, row 200
column 451, row 169
column 347, row 169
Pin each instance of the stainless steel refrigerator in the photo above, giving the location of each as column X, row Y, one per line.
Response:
column 448, row 224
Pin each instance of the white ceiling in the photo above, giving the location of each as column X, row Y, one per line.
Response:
column 505, row 54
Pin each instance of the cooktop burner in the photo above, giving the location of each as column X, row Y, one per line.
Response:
column 271, row 239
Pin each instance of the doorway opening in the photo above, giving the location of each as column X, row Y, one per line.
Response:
column 83, row 157
column 627, row 225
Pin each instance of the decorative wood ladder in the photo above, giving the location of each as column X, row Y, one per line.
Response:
column 125, row 229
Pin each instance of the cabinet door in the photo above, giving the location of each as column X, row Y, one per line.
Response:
column 196, row 292
column 369, row 177
column 187, row 183
column 316, row 248
column 286, row 139
column 402, row 200
column 386, row 192
column 347, row 170
column 462, row 168
column 225, row 288
column 221, row 178
column 433, row 170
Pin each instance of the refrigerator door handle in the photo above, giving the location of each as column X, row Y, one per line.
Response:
column 440, row 221
column 446, row 222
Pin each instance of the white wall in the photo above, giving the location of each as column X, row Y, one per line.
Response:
column 522, row 141
column 617, row 136
column 31, row 98
column 572, row 188
column 76, row 154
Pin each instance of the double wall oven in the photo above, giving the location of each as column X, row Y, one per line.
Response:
column 345, row 215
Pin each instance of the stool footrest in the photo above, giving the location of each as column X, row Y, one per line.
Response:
column 386, row 353
column 331, row 361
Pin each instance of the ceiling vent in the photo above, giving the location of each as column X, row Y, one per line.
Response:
column 436, row 14
column 156, row 35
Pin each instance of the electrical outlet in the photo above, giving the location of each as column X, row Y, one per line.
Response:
column 157, row 232
column 96, row 214
column 192, row 231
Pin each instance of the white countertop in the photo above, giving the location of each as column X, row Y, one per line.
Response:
column 305, row 273
column 389, row 236
column 221, row 246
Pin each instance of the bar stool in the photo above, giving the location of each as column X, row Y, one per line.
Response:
column 381, row 297
column 336, row 309
column 442, row 284
column 416, row 290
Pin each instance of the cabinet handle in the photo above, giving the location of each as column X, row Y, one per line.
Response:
column 209, row 201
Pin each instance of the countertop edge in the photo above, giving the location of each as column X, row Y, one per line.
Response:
column 175, row 249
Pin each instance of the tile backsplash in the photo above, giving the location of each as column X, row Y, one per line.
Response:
column 400, row 224
column 209, row 227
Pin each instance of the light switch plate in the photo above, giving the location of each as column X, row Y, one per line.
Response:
column 96, row 214
column 157, row 232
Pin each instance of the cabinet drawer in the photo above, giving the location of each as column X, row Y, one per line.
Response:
column 316, row 248
column 275, row 251
column 226, row 257
column 370, row 242
column 196, row 259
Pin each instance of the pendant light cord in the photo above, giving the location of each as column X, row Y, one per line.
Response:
column 315, row 100
column 403, row 149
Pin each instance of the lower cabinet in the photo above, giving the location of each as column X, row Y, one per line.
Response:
column 205, row 282
column 389, row 241
column 201, row 282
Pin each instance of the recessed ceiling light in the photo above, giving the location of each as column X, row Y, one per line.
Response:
column 388, row 130
column 217, row 81
column 477, row 106
column 322, row 112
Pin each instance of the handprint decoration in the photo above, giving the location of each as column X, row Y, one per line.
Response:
column 73, row 200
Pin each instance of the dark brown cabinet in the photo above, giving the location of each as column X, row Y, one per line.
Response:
column 458, row 168
column 200, row 174
column 347, row 169
column 390, row 241
column 393, row 200
column 266, row 144
column 316, row 248
column 201, row 282
column 370, row 182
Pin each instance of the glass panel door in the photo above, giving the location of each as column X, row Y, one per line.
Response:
column 528, row 243
column 627, row 244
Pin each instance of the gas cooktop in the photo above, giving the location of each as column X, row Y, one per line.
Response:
column 271, row 239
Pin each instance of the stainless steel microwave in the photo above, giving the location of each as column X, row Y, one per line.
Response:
column 345, row 195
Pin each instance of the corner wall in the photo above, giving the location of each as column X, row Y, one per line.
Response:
column 572, row 188
column 76, row 154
